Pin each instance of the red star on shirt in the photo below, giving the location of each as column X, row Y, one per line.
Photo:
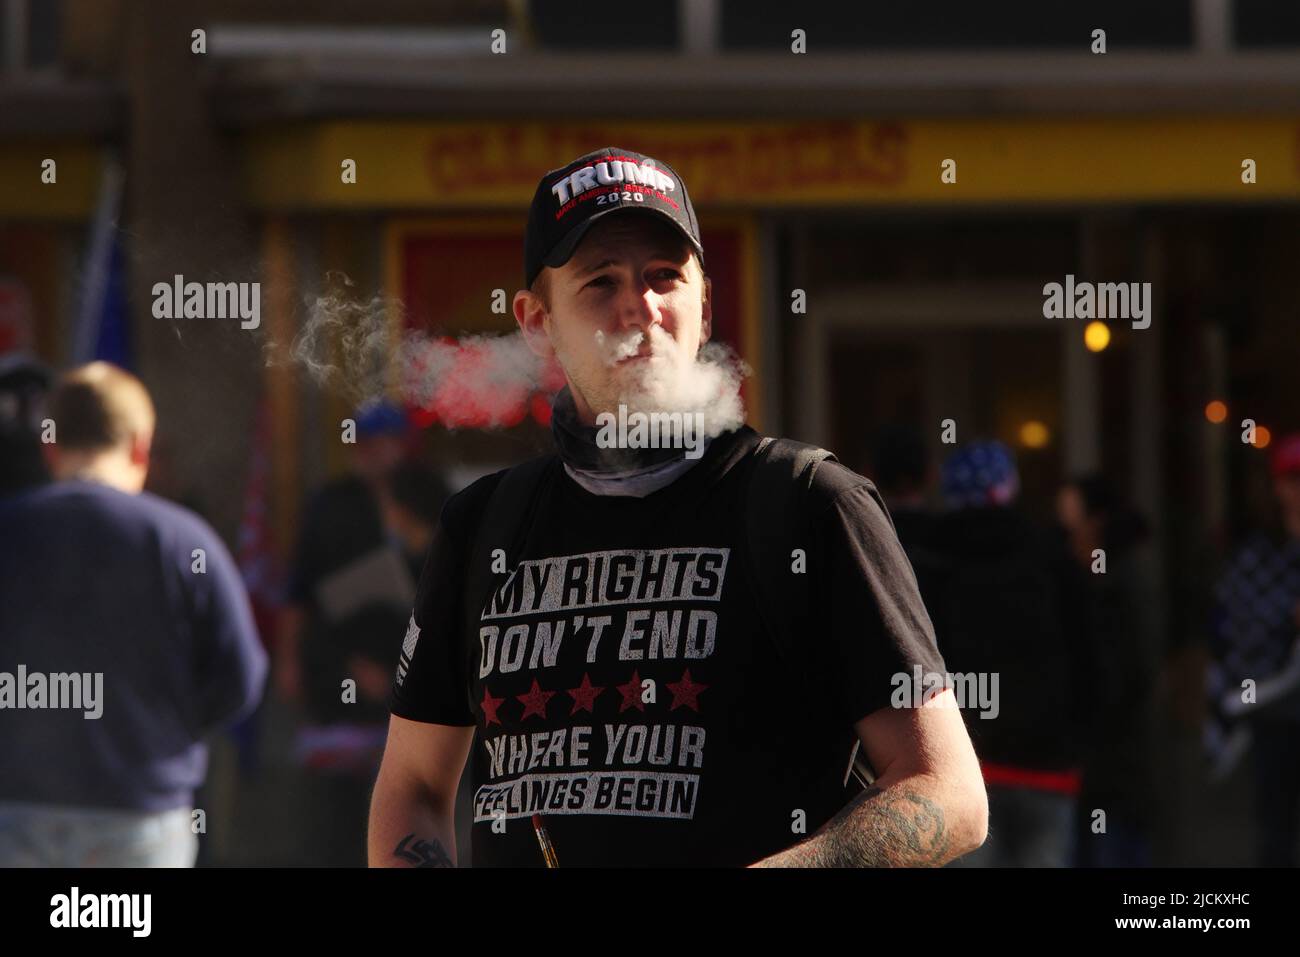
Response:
column 489, row 705
column 535, row 701
column 584, row 695
column 686, row 692
column 631, row 694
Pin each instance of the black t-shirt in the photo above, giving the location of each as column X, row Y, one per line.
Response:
column 621, row 682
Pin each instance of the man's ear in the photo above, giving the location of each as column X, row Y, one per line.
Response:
column 706, row 312
column 531, row 315
column 141, row 443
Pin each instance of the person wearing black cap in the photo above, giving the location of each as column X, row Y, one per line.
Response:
column 23, row 385
column 670, row 650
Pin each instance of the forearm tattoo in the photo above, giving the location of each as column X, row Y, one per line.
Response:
column 881, row 827
column 421, row 853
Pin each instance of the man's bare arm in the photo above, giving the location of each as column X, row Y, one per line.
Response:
column 899, row 824
column 927, row 807
column 412, row 811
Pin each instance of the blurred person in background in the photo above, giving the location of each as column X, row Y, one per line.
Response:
column 1253, row 636
column 411, row 500
column 362, row 544
column 138, row 596
column 1117, row 761
column 23, row 385
column 342, row 744
column 1007, row 600
column 901, row 470
column 341, row 523
column 903, row 473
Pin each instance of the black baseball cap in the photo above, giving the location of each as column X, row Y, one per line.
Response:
column 569, row 199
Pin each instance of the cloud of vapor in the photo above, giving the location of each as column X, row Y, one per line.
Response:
column 346, row 344
column 473, row 381
column 362, row 349
column 673, row 381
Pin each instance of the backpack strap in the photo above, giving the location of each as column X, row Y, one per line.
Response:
column 779, row 486
column 502, row 525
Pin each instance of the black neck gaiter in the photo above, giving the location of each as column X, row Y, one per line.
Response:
column 576, row 443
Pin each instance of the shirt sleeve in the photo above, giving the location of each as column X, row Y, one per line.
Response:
column 231, row 664
column 878, row 626
column 432, row 678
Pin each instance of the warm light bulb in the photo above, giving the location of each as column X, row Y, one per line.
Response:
column 1096, row 336
column 1034, row 435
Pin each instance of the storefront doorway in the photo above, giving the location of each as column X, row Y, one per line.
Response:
column 985, row 359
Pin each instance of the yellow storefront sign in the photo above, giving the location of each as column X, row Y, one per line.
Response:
column 71, row 195
column 815, row 163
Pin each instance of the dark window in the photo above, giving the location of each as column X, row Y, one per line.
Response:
column 766, row 24
column 609, row 25
column 942, row 249
column 43, row 36
column 43, row 25
column 1266, row 23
